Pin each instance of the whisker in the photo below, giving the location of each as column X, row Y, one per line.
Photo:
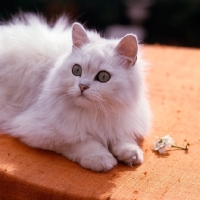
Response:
column 96, row 96
column 54, row 100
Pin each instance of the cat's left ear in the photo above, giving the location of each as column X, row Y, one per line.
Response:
column 79, row 35
column 127, row 48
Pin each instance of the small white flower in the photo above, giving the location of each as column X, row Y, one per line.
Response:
column 161, row 143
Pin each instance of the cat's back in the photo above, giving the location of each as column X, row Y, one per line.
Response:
column 29, row 37
column 29, row 47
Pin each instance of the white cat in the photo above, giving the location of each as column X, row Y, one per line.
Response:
column 66, row 89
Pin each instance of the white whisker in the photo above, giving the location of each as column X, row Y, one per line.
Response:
column 54, row 101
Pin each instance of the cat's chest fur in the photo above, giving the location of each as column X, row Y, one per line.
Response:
column 74, row 123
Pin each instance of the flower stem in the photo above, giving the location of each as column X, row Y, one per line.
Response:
column 183, row 148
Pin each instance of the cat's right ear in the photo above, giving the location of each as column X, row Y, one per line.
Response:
column 79, row 35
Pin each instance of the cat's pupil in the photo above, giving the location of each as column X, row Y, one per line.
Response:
column 77, row 70
column 102, row 76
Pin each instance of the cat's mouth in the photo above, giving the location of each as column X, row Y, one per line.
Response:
column 83, row 95
column 82, row 100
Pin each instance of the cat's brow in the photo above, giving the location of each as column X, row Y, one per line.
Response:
column 94, row 63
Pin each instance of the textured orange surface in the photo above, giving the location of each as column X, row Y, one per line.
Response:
column 174, row 82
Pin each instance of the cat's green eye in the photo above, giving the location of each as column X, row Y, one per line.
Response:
column 103, row 76
column 77, row 70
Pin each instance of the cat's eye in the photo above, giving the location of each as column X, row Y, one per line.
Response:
column 103, row 76
column 77, row 70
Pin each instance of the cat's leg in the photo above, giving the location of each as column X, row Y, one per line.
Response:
column 90, row 154
column 128, row 152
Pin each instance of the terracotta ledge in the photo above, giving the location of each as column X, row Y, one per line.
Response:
column 174, row 80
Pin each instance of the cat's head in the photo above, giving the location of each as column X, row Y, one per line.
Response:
column 101, row 72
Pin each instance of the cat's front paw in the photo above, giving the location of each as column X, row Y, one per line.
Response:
column 131, row 154
column 98, row 162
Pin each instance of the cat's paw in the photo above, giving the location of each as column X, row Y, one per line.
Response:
column 131, row 154
column 98, row 162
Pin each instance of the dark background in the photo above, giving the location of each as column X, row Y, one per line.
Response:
column 170, row 22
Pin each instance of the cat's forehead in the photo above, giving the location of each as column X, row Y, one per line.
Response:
column 99, row 49
column 97, row 53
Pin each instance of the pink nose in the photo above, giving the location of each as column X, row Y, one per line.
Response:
column 83, row 87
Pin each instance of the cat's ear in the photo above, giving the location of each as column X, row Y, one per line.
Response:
column 127, row 48
column 79, row 35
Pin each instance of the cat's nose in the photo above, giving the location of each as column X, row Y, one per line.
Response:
column 83, row 87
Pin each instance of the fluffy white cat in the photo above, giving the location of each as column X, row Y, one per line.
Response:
column 67, row 89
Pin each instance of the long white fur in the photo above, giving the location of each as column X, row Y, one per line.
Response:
column 40, row 100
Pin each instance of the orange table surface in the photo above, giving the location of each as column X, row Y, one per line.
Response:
column 174, row 87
